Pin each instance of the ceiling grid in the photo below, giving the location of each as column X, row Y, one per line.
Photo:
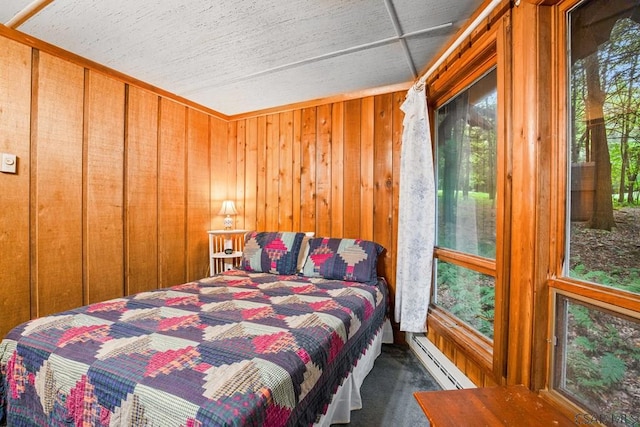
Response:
column 246, row 55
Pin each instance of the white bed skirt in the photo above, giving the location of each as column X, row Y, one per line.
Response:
column 347, row 398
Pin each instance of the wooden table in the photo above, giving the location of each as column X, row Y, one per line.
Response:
column 489, row 406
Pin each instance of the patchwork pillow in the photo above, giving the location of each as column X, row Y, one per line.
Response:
column 353, row 260
column 304, row 250
column 271, row 252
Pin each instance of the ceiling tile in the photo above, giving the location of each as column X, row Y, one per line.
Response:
column 227, row 38
column 423, row 48
column 415, row 15
column 382, row 66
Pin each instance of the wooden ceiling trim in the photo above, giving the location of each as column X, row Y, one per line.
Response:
column 328, row 100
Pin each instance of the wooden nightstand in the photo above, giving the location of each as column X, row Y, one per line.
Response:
column 225, row 249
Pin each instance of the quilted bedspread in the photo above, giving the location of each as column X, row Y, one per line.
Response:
column 238, row 349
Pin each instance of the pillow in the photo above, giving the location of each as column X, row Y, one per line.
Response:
column 353, row 260
column 271, row 252
column 304, row 250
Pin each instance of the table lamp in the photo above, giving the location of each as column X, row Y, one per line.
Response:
column 228, row 209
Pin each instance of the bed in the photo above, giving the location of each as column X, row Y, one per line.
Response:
column 275, row 342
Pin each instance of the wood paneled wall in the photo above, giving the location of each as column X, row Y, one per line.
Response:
column 117, row 183
column 113, row 190
column 15, row 113
column 331, row 168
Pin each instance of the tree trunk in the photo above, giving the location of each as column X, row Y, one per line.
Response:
column 624, row 154
column 627, row 125
column 602, row 217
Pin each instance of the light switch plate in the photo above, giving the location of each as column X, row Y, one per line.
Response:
column 8, row 163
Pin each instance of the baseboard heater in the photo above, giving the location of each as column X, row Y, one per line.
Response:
column 443, row 370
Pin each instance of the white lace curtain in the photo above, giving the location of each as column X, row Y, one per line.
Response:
column 416, row 216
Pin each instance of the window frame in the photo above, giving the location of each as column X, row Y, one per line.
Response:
column 484, row 54
column 600, row 296
column 581, row 293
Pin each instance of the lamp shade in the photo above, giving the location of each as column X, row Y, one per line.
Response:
column 228, row 208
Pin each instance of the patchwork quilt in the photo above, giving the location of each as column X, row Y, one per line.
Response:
column 238, row 349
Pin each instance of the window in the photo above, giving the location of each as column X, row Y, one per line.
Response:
column 466, row 153
column 604, row 152
column 596, row 356
column 598, row 360
column 468, row 295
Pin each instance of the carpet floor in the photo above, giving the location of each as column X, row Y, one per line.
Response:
column 387, row 392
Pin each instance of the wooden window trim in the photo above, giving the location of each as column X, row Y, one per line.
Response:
column 476, row 347
column 616, row 297
column 595, row 295
column 472, row 262
column 462, row 63
column 598, row 295
column 476, row 62
column 488, row 50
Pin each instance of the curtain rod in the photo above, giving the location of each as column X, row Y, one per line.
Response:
column 27, row 12
column 457, row 42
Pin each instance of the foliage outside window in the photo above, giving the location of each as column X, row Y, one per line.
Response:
column 597, row 356
column 598, row 361
column 466, row 144
column 468, row 295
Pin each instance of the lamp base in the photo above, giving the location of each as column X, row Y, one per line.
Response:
column 228, row 223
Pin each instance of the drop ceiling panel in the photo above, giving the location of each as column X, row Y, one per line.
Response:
column 163, row 42
column 334, row 76
column 241, row 55
column 428, row 47
column 415, row 15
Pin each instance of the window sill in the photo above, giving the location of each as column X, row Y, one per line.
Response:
column 475, row 346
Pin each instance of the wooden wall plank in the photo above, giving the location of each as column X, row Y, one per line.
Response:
column 261, row 175
column 352, row 159
column 104, row 177
column 240, row 146
column 15, row 116
column 337, row 170
column 308, row 171
column 232, row 165
column 198, row 191
column 219, row 171
column 141, row 191
column 236, row 170
column 323, row 170
column 398, row 117
column 271, row 172
column 56, row 192
column 296, row 177
column 172, row 193
column 383, row 178
column 251, row 177
column 285, row 173
column 366, row 168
